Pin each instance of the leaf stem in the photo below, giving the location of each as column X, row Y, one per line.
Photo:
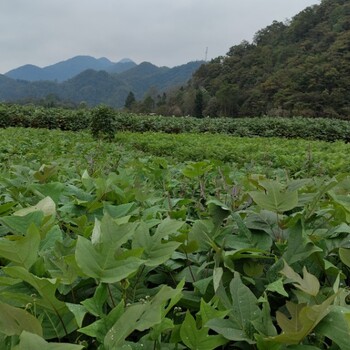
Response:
column 110, row 295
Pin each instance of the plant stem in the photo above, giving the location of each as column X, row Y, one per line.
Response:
column 110, row 295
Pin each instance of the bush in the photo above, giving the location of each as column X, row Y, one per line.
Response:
column 103, row 123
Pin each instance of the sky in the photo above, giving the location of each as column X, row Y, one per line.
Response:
column 164, row 32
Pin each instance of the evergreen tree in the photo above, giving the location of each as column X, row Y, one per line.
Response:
column 130, row 100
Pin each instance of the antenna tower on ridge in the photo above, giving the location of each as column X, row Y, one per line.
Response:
column 206, row 54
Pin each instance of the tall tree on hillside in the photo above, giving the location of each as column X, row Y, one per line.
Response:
column 198, row 104
column 130, row 100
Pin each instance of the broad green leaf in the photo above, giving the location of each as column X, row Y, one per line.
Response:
column 277, row 287
column 19, row 224
column 299, row 247
column 100, row 328
column 202, row 233
column 197, row 169
column 209, row 311
column 143, row 316
column 103, row 263
column 308, row 284
column 228, row 329
column 344, row 255
column 78, row 311
column 95, row 304
column 218, row 211
column 58, row 320
column 30, row 341
column 46, row 205
column 14, row 320
column 54, row 190
column 274, row 198
column 244, row 310
column 244, row 303
column 245, row 239
column 101, row 257
column 21, row 250
column 264, row 324
column 336, row 326
column 303, row 320
column 157, row 249
column 217, row 275
column 198, row 339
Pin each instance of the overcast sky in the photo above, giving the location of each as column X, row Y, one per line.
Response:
column 164, row 32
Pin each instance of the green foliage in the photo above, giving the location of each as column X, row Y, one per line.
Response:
column 153, row 253
column 80, row 119
column 102, row 123
column 292, row 68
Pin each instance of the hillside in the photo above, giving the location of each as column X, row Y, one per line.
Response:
column 67, row 69
column 94, row 87
column 299, row 67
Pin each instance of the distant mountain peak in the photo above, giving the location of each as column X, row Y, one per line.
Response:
column 69, row 68
column 126, row 60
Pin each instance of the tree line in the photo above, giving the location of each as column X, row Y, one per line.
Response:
column 299, row 67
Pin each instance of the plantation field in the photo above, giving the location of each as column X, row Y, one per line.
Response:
column 184, row 241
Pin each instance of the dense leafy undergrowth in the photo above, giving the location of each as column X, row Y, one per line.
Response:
column 80, row 119
column 100, row 250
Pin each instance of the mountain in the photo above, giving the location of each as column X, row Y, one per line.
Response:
column 121, row 66
column 299, row 67
column 94, row 87
column 65, row 70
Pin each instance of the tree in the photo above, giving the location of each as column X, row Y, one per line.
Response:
column 102, row 123
column 198, row 104
column 130, row 100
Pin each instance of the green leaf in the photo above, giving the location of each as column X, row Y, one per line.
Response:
column 244, row 303
column 47, row 206
column 217, row 275
column 95, row 304
column 14, row 320
column 336, row 326
column 103, row 263
column 202, row 233
column 21, row 250
column 277, row 287
column 30, row 341
column 308, row 284
column 143, row 316
column 274, row 198
column 157, row 249
column 58, row 321
column 196, row 339
column 100, row 328
column 303, row 319
column 208, row 311
column 102, row 258
column 344, row 255
column 299, row 247
column 19, row 224
column 197, row 169
column 219, row 211
column 228, row 329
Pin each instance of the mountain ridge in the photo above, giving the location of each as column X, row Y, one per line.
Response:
column 99, row 86
column 64, row 70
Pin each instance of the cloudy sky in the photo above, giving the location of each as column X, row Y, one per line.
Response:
column 164, row 32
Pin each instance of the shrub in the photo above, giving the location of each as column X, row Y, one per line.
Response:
column 102, row 124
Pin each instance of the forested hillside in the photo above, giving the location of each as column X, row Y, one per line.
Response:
column 95, row 87
column 299, row 67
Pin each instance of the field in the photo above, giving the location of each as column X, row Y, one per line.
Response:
column 181, row 241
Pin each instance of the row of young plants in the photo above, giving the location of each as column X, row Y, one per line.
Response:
column 77, row 150
column 80, row 119
column 148, row 253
